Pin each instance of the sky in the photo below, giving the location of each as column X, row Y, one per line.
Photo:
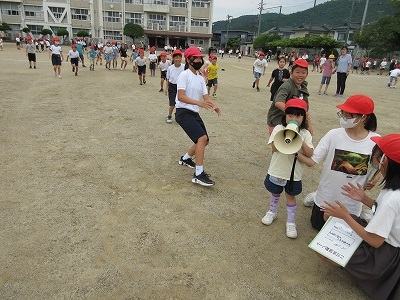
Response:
column 237, row 8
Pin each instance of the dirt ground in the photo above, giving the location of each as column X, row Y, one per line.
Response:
column 93, row 203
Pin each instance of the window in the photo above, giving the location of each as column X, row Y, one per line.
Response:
column 35, row 29
column 200, row 23
column 179, row 3
column 57, row 11
column 201, row 3
column 341, row 36
column 112, row 35
column 33, row 11
column 158, row 2
column 155, row 18
column 80, row 14
column 177, row 23
column 113, row 1
column 134, row 1
column 112, row 16
column 134, row 18
column 9, row 9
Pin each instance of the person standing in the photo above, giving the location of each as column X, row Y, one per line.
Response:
column 80, row 48
column 91, row 56
column 342, row 70
column 74, row 55
column 56, row 56
column 212, row 75
column 108, row 55
column 153, row 62
column 173, row 73
column 140, row 63
column 124, row 56
column 278, row 76
column 30, row 52
column 375, row 265
column 328, row 69
column 1, row 43
column 192, row 94
column 18, row 42
column 259, row 68
column 382, row 66
column 163, row 65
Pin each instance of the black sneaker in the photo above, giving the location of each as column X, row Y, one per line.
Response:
column 187, row 162
column 254, row 84
column 203, row 179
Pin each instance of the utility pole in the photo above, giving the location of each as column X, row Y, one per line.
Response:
column 228, row 18
column 312, row 15
column 261, row 8
column 348, row 23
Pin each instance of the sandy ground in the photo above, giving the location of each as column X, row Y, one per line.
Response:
column 93, row 203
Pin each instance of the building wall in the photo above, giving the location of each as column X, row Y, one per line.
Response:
column 106, row 20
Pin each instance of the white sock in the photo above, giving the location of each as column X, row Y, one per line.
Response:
column 199, row 170
column 186, row 156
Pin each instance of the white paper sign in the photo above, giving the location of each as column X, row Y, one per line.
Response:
column 336, row 241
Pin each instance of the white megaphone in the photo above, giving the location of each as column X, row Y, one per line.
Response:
column 288, row 140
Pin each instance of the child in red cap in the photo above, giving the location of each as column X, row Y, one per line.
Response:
column 140, row 63
column 375, row 265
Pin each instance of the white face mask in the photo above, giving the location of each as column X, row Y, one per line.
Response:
column 348, row 123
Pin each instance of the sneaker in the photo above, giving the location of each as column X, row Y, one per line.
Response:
column 169, row 120
column 84, row 66
column 141, row 83
column 215, row 95
column 388, row 85
column 161, row 90
column 291, row 231
column 76, row 73
column 187, row 162
column 258, row 89
column 254, row 84
column 309, row 199
column 325, row 93
column 319, row 93
column 203, row 179
column 59, row 76
column 73, row 69
column 393, row 87
column 268, row 218
column 30, row 67
column 144, row 81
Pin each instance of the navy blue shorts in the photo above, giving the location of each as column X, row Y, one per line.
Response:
column 172, row 90
column 142, row 70
column 56, row 59
column 277, row 189
column 191, row 123
column 163, row 74
column 212, row 82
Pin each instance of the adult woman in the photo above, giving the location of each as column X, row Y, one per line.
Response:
column 342, row 70
column 375, row 264
column 346, row 151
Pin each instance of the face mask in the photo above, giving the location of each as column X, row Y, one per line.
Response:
column 349, row 123
column 197, row 65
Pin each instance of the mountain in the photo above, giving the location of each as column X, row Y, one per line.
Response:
column 331, row 13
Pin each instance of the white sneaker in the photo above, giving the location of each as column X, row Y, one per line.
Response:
column 309, row 199
column 268, row 218
column 291, row 231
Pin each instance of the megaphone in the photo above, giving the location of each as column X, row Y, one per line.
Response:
column 288, row 140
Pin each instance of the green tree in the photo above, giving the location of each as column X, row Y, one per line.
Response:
column 26, row 30
column 63, row 32
column 234, row 42
column 46, row 31
column 265, row 41
column 5, row 27
column 82, row 33
column 133, row 30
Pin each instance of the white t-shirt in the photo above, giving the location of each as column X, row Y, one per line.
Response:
column 55, row 49
column 174, row 72
column 395, row 73
column 73, row 54
column 141, row 61
column 346, row 160
column 259, row 65
column 194, row 87
column 386, row 220
column 152, row 57
column 164, row 65
column 322, row 61
column 281, row 164
column 108, row 49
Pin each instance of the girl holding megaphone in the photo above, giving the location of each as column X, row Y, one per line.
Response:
column 285, row 171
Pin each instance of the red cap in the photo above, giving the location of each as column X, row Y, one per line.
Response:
column 358, row 104
column 29, row 37
column 56, row 38
column 177, row 52
column 301, row 63
column 193, row 51
column 390, row 145
column 296, row 102
column 163, row 54
column 91, row 47
column 212, row 56
column 73, row 45
column 141, row 51
column 261, row 53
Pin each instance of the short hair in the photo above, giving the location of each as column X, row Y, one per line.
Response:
column 297, row 112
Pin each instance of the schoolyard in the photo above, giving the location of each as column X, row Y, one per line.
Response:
column 94, row 204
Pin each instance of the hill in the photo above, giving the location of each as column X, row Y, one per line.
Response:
column 332, row 13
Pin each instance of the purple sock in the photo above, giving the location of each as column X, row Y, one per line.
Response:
column 291, row 213
column 274, row 202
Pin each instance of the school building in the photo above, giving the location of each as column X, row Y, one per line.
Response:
column 175, row 22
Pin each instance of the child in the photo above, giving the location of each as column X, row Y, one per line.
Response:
column 115, row 54
column 124, row 56
column 212, row 75
column 108, row 55
column 279, row 76
column 153, row 62
column 133, row 57
column 328, row 69
column 393, row 77
column 382, row 66
column 163, row 65
column 192, row 94
column 322, row 61
column 259, row 67
column 294, row 87
column 356, row 65
column 315, row 63
column 30, row 52
column 92, row 55
column 100, row 53
column 140, row 62
column 1, row 43
column 280, row 169
column 74, row 56
column 56, row 56
column 172, row 76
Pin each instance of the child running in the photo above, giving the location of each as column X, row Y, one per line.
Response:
column 91, row 54
column 56, row 56
column 132, row 58
column 278, row 76
column 328, row 68
column 163, row 66
column 153, row 62
column 124, row 56
column 172, row 77
column 280, row 169
column 192, row 94
column 73, row 54
column 108, row 54
column 212, row 75
column 140, row 63
column 259, row 68
column 394, row 74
